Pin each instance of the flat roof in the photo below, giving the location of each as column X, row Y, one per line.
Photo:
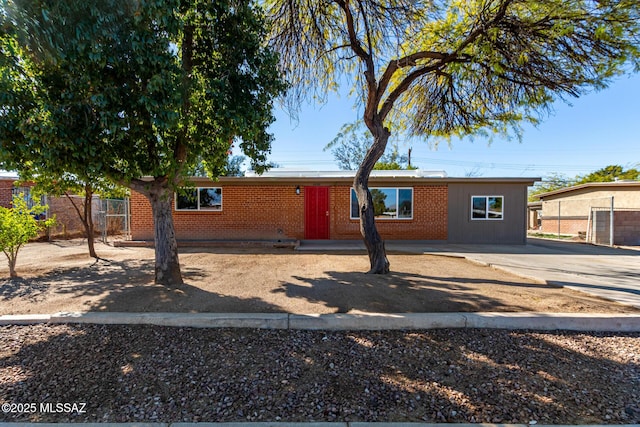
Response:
column 346, row 179
column 4, row 175
column 293, row 173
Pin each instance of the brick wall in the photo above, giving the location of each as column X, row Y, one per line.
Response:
column 429, row 216
column 627, row 228
column 68, row 224
column 257, row 212
column 568, row 225
column 272, row 212
column 6, row 195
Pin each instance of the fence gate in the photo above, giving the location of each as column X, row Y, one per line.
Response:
column 113, row 218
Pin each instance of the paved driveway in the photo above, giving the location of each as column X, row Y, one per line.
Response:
column 613, row 273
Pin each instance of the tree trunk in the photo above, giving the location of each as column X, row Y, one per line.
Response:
column 87, row 221
column 372, row 240
column 12, row 265
column 167, row 267
column 86, row 217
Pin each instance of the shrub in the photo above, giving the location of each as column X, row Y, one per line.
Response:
column 18, row 225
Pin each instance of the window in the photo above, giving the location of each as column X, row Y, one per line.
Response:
column 200, row 199
column 487, row 207
column 388, row 203
column 27, row 195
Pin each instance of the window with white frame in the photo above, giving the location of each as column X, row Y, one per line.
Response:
column 199, row 199
column 487, row 207
column 388, row 203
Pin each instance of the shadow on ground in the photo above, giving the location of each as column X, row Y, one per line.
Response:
column 127, row 286
column 399, row 292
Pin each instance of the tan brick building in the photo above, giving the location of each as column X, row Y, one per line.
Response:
column 410, row 205
column 585, row 209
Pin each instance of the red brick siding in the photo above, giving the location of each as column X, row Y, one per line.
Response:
column 429, row 216
column 567, row 225
column 248, row 213
column 141, row 217
column 6, row 195
column 271, row 212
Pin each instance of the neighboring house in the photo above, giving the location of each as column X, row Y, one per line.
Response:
column 284, row 205
column 585, row 210
column 68, row 223
column 535, row 220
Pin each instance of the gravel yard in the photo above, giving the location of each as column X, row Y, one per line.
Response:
column 130, row 374
column 90, row 373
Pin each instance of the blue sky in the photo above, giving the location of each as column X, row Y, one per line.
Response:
column 596, row 130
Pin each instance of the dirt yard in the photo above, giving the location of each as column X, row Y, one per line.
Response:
column 60, row 276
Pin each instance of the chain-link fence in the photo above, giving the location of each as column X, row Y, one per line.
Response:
column 113, row 218
column 110, row 217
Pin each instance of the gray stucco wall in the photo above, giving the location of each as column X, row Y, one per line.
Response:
column 512, row 229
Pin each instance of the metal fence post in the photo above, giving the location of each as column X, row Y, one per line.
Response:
column 611, row 224
column 559, row 218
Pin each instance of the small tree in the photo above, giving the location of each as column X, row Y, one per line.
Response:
column 69, row 185
column 18, row 225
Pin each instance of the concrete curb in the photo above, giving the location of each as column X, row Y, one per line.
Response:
column 194, row 320
column 365, row 321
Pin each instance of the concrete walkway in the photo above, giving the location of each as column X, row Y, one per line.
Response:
column 612, row 273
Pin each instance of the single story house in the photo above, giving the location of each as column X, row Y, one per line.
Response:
column 283, row 205
column 586, row 210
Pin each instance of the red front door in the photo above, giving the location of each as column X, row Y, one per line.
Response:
column 316, row 212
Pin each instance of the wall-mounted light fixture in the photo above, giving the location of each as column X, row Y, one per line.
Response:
column 298, row 190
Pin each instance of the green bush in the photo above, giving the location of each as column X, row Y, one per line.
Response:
column 17, row 226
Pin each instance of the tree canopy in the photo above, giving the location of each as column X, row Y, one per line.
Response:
column 609, row 174
column 137, row 92
column 450, row 68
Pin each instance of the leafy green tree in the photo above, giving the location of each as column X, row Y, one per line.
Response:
column 18, row 225
column 552, row 182
column 137, row 92
column 449, row 68
column 350, row 147
column 610, row 173
column 233, row 167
